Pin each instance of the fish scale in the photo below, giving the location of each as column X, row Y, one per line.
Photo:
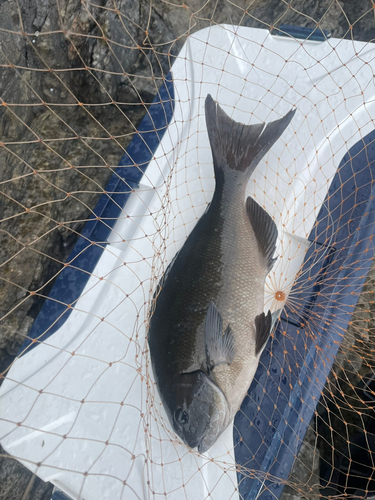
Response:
column 240, row 298
column 207, row 327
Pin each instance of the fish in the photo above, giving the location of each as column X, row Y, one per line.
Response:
column 207, row 327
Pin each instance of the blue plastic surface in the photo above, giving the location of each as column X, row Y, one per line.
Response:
column 91, row 243
column 312, row 34
column 58, row 495
column 294, row 366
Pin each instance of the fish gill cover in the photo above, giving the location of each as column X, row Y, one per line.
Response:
column 106, row 168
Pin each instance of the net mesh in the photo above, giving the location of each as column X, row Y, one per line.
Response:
column 84, row 242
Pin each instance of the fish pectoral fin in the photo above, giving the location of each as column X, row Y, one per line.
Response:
column 263, row 330
column 274, row 317
column 219, row 347
column 265, row 230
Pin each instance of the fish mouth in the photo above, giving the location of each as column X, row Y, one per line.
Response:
column 202, row 448
column 194, row 444
column 222, row 410
column 208, row 441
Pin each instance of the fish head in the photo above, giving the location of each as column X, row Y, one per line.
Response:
column 200, row 412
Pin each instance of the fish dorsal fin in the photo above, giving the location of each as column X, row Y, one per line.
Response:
column 263, row 330
column 265, row 230
column 219, row 347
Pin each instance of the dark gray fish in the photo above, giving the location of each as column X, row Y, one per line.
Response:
column 207, row 328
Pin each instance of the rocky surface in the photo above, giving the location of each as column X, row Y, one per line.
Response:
column 75, row 81
column 304, row 478
column 16, row 482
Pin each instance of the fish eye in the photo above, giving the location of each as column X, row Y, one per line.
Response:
column 181, row 416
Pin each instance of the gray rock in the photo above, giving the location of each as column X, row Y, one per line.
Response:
column 37, row 177
column 17, row 482
column 304, row 478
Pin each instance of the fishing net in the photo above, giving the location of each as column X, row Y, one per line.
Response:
column 105, row 170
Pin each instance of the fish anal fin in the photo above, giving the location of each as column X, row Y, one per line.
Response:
column 263, row 330
column 219, row 347
column 265, row 230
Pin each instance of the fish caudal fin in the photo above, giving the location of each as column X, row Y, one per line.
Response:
column 238, row 146
column 265, row 230
column 263, row 330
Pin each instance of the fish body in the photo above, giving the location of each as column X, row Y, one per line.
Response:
column 207, row 328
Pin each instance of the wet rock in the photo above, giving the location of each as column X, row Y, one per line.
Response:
column 56, row 159
column 17, row 482
column 304, row 478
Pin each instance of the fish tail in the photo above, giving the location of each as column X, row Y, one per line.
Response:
column 238, row 146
